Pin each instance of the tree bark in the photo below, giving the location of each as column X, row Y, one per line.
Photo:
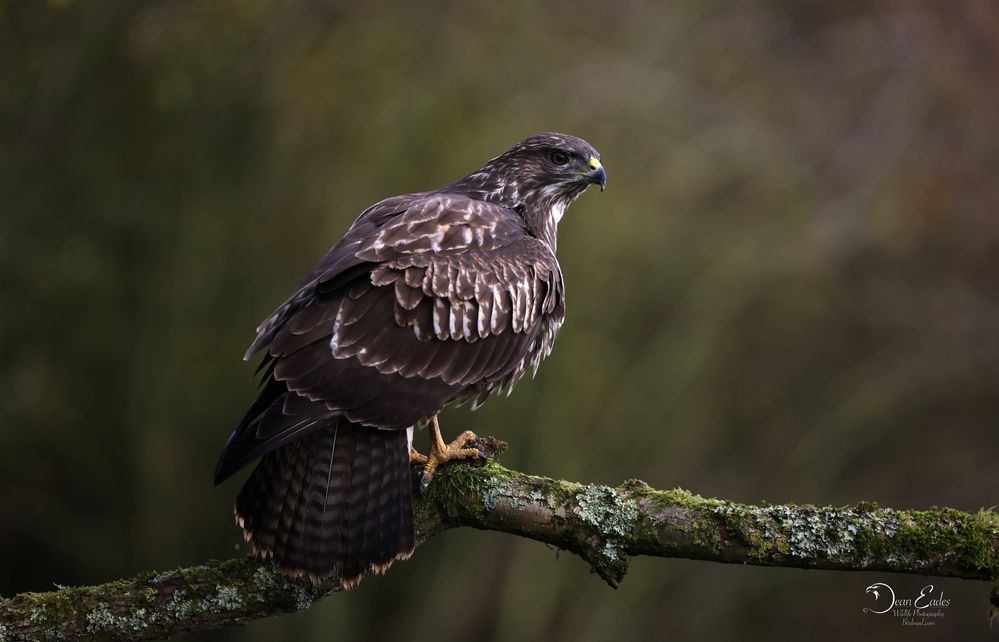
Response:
column 603, row 525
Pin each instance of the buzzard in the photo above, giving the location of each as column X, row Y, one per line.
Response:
column 429, row 300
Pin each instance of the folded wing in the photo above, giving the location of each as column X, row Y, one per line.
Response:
column 427, row 300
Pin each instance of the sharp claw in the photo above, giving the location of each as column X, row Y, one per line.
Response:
column 424, row 481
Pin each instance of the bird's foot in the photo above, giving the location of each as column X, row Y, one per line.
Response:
column 441, row 452
column 416, row 457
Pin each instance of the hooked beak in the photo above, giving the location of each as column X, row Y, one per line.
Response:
column 597, row 175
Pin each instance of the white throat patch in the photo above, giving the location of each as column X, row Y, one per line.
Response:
column 558, row 209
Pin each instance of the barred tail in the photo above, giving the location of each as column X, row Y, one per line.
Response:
column 338, row 499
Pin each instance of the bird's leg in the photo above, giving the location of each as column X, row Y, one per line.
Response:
column 441, row 452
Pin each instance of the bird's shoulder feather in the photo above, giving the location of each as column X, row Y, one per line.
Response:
column 446, row 239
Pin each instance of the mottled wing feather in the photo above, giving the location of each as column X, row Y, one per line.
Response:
column 428, row 300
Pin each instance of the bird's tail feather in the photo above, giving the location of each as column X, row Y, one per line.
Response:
column 338, row 499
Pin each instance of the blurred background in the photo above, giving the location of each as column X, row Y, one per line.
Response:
column 789, row 291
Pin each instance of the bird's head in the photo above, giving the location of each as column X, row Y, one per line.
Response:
column 538, row 172
column 551, row 163
column 539, row 177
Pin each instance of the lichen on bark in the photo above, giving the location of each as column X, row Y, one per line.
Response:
column 604, row 525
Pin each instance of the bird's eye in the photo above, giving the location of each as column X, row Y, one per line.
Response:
column 559, row 158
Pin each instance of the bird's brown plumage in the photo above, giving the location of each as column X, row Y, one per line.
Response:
column 428, row 300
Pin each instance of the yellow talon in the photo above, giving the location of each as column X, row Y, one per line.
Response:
column 441, row 452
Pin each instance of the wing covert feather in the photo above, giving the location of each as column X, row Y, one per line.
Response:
column 427, row 300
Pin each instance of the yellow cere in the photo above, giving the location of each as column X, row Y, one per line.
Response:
column 594, row 163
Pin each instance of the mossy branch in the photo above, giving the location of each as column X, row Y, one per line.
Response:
column 603, row 525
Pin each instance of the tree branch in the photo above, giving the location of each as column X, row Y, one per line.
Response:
column 603, row 525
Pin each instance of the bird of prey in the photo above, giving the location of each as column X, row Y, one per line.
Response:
column 429, row 300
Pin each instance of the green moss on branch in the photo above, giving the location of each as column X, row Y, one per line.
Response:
column 604, row 525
